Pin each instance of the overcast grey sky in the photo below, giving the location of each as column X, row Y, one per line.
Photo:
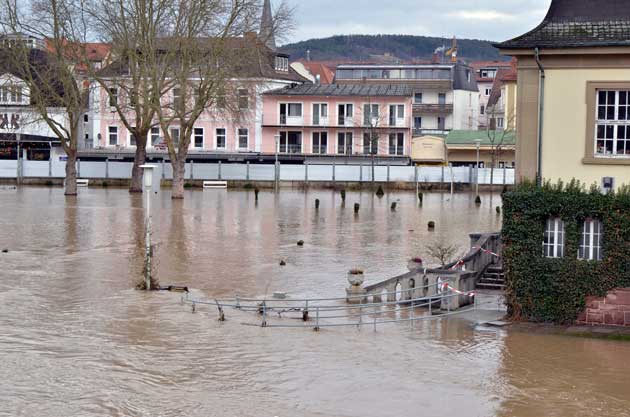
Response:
column 495, row 20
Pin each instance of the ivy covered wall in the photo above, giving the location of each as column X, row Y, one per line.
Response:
column 554, row 290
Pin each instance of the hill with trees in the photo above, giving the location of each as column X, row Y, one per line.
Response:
column 386, row 47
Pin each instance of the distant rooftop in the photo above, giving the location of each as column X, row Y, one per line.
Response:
column 578, row 23
column 358, row 90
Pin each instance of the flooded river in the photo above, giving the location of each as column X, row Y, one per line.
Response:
column 77, row 340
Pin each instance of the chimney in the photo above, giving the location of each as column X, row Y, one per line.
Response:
column 308, row 55
column 318, row 79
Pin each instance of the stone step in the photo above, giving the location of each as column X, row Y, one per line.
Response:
column 491, row 281
column 493, row 275
column 495, row 269
column 487, row 286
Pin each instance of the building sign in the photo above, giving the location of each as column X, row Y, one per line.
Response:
column 12, row 122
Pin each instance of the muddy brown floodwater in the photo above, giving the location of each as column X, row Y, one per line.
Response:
column 77, row 340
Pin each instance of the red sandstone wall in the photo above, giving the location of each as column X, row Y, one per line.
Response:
column 612, row 310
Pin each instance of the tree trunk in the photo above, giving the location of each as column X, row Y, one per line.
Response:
column 136, row 172
column 179, row 168
column 71, row 174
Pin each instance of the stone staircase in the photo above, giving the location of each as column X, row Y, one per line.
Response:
column 493, row 279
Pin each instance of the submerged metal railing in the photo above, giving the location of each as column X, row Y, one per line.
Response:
column 328, row 315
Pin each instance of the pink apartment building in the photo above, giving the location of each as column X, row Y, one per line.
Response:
column 314, row 119
column 216, row 130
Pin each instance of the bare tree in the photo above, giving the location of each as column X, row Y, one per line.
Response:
column 209, row 44
column 135, row 81
column 56, row 89
column 497, row 135
column 442, row 252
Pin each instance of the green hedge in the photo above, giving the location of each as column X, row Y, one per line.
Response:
column 541, row 289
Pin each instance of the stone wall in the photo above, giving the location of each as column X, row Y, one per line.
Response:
column 612, row 310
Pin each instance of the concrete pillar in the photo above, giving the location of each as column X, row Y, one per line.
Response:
column 442, row 174
column 163, row 170
column 470, row 175
column 334, row 170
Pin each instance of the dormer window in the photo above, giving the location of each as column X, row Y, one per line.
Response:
column 282, row 63
column 11, row 94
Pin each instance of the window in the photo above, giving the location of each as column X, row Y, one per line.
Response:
column 243, row 98
column 132, row 137
column 221, row 139
column 417, row 122
column 243, row 138
column 177, row 100
column 290, row 142
column 591, row 241
column 488, row 91
column 397, row 144
column 370, row 144
column 483, row 109
column 198, row 137
column 488, row 73
column 417, row 98
column 344, row 143
column 155, row 136
column 320, row 111
column 442, row 99
column 613, row 123
column 113, row 97
column 553, row 241
column 499, row 122
column 85, row 118
column 282, row 63
column 397, row 115
column 370, row 114
column 320, row 143
column 133, row 98
column 11, row 94
column 289, row 110
column 112, row 135
column 221, row 100
column 175, row 136
column 344, row 112
column 441, row 123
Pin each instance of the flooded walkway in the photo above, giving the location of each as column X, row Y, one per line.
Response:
column 75, row 339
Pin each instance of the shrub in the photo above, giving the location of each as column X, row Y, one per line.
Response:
column 554, row 290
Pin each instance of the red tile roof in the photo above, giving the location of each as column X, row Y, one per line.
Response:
column 326, row 74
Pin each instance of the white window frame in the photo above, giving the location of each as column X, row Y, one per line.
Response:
column 286, row 134
column 591, row 240
column 371, row 146
column 374, row 120
column 319, row 142
column 323, row 115
column 345, row 143
column 238, row 138
column 115, row 133
column 112, row 96
column 396, row 146
column 348, row 120
column 129, row 137
column 240, row 95
column 291, row 120
column 487, row 92
column 415, row 97
column 555, row 232
column 153, row 135
column 179, row 135
column 196, row 135
column 216, row 139
column 399, row 120
column 282, row 63
column 614, row 125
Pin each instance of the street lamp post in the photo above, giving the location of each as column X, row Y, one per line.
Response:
column 277, row 170
column 478, row 143
column 147, row 173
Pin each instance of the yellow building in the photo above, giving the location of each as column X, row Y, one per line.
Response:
column 428, row 150
column 573, row 94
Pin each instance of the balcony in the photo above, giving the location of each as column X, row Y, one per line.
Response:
column 422, row 108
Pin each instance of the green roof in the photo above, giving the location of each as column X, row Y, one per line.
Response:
column 468, row 137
